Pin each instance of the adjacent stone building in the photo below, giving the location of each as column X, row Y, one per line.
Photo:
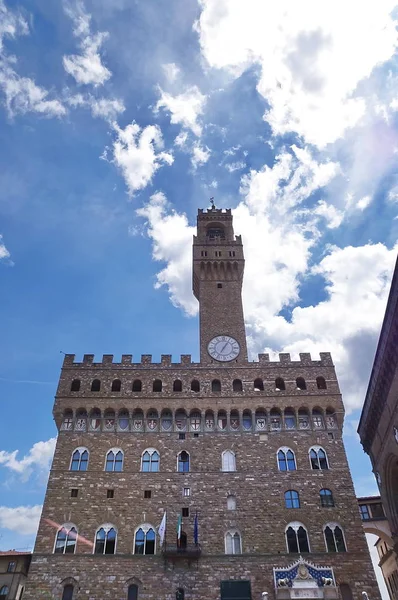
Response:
column 14, row 567
column 245, row 459
column 378, row 427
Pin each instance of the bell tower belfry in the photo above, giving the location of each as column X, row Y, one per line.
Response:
column 218, row 266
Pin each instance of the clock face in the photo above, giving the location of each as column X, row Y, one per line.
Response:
column 223, row 348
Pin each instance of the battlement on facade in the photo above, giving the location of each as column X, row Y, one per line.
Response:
column 214, row 211
column 186, row 361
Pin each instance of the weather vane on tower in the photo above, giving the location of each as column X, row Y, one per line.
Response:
column 213, row 206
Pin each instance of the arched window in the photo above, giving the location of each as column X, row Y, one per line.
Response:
column 247, row 420
column 183, row 462
column 334, row 538
column 297, row 538
column 231, row 502
column 237, row 385
column 166, row 420
column 67, row 593
column 79, row 461
column 116, row 385
column 4, row 592
column 81, row 420
column 286, row 460
column 150, row 461
column 317, row 418
column 123, row 420
column 137, row 385
column 300, row 383
column 318, row 459
column 138, row 420
column 258, row 385
column 195, row 421
column 109, row 420
column 216, row 385
column 321, row 383
column 132, row 592
column 215, row 231
column 260, row 420
column 195, row 385
column 292, row 499
column 67, row 423
column 303, row 418
column 209, row 420
column 228, row 461
column 233, row 543
column 157, row 386
column 181, row 420
column 222, row 420
column 234, row 420
column 95, row 420
column 289, row 418
column 144, row 541
column 114, row 460
column 105, row 540
column 95, row 385
column 326, row 497
column 65, row 541
column 177, row 386
column 275, row 419
column 152, row 420
column 75, row 386
column 280, row 384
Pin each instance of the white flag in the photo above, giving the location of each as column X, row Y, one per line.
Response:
column 162, row 528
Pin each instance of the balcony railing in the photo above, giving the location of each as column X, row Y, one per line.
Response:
column 190, row 551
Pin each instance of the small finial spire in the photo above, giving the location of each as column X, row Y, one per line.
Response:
column 213, row 206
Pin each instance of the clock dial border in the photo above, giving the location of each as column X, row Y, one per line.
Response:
column 221, row 341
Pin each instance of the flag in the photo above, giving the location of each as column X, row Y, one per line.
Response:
column 179, row 527
column 162, row 528
column 196, row 530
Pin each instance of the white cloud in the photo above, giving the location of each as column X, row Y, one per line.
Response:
column 200, row 155
column 330, row 213
column 22, row 94
column 138, row 154
column 105, row 108
column 281, row 232
column 3, row 250
column 235, row 166
column 185, row 108
column 86, row 68
column 39, row 457
column 171, row 236
column 21, row 519
column 311, row 59
column 363, row 202
column 171, row 71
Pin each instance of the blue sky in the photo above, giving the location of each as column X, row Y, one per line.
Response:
column 117, row 121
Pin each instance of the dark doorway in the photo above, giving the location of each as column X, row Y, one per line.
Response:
column 235, row 590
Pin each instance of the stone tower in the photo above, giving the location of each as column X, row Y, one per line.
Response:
column 243, row 461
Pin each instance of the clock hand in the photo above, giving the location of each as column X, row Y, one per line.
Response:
column 223, row 348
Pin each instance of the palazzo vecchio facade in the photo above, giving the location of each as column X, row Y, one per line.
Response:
column 245, row 458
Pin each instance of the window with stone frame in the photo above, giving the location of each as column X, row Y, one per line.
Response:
column 300, row 383
column 116, row 385
column 237, row 385
column 228, row 461
column 65, row 540
column 145, row 539
column 157, row 386
column 297, row 538
column 231, row 502
column 11, row 566
column 183, row 462
column 195, row 385
column 4, row 592
column 114, row 460
column 67, row 593
column 79, row 460
column 216, row 385
column 233, row 542
column 177, row 386
column 95, row 385
column 137, row 385
column 326, row 497
column 321, row 383
column 318, row 459
column 334, row 538
column 280, row 384
column 132, row 592
column 75, row 385
column 364, row 511
column 258, row 385
column 105, row 540
column 292, row 499
column 150, row 461
column 286, row 459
